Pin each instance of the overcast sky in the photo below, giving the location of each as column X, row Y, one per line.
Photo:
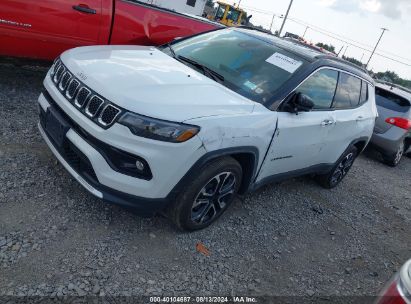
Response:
column 358, row 20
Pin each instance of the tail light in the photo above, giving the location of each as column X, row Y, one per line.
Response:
column 393, row 294
column 399, row 122
column 399, row 289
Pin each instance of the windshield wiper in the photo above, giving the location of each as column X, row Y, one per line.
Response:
column 173, row 53
column 206, row 70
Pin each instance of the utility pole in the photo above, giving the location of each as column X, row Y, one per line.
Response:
column 345, row 51
column 285, row 18
column 338, row 55
column 306, row 29
column 272, row 21
column 378, row 42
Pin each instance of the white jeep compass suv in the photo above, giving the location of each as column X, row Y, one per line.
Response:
column 183, row 128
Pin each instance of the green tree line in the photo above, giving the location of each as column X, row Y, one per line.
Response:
column 389, row 76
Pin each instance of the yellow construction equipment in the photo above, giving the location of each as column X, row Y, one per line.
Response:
column 229, row 15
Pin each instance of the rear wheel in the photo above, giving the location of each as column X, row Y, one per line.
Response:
column 208, row 196
column 340, row 170
column 395, row 159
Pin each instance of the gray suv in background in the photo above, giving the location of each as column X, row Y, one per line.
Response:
column 392, row 133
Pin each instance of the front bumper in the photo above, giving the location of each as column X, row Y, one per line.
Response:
column 143, row 206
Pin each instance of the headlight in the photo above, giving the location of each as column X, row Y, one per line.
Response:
column 158, row 129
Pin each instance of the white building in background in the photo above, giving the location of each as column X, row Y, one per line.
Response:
column 193, row 7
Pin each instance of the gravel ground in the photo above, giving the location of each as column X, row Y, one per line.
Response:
column 293, row 238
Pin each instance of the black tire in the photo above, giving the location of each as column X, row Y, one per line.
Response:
column 340, row 170
column 394, row 160
column 198, row 191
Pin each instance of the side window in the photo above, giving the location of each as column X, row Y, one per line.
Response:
column 348, row 92
column 320, row 87
column 364, row 93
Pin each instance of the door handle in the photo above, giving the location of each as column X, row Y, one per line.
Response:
column 84, row 9
column 361, row 118
column 327, row 122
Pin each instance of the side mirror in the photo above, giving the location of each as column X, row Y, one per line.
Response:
column 299, row 103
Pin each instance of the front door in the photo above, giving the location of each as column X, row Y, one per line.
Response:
column 298, row 144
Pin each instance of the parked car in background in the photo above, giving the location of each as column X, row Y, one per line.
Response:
column 44, row 29
column 186, row 127
column 392, row 133
column 398, row 291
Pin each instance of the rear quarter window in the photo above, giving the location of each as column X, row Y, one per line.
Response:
column 364, row 93
column 348, row 92
column 391, row 101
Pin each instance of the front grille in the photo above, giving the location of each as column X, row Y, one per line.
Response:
column 98, row 109
column 81, row 97
column 108, row 114
column 94, row 105
column 59, row 73
column 64, row 81
column 72, row 88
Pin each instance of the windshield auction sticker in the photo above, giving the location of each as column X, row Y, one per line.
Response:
column 284, row 62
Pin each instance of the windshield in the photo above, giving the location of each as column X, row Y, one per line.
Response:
column 249, row 66
column 233, row 14
column 220, row 12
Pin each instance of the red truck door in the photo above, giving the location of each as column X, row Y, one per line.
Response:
column 43, row 29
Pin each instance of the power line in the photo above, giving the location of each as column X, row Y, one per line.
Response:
column 352, row 40
column 334, row 35
column 352, row 44
column 373, row 51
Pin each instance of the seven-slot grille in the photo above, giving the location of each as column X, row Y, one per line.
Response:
column 81, row 97
column 109, row 114
column 94, row 105
column 88, row 102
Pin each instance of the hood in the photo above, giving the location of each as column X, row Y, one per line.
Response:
column 146, row 81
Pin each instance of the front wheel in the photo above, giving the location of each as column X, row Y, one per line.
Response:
column 340, row 170
column 207, row 197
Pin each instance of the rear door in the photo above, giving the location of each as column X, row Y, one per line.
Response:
column 298, row 144
column 43, row 29
column 354, row 116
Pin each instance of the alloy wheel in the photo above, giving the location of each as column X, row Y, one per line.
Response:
column 213, row 198
column 342, row 169
column 399, row 154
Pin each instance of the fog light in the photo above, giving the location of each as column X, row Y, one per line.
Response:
column 140, row 165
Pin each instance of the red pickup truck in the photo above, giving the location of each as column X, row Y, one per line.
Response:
column 43, row 29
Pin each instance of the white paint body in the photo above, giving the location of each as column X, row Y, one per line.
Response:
column 146, row 81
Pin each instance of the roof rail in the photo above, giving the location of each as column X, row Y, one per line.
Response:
column 343, row 61
column 397, row 86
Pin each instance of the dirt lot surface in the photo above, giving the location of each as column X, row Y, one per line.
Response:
column 293, row 238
